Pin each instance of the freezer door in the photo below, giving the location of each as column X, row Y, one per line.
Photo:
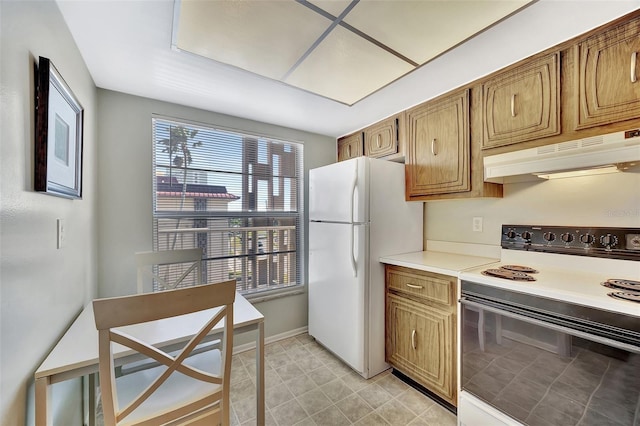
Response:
column 339, row 192
column 338, row 289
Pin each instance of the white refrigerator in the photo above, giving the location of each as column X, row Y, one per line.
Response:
column 357, row 213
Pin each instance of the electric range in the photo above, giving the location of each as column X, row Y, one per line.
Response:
column 543, row 341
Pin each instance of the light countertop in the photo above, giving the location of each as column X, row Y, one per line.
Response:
column 438, row 262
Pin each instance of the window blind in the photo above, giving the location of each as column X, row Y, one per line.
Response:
column 235, row 195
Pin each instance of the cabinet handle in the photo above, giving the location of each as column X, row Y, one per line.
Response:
column 414, row 286
column 413, row 339
column 378, row 141
column 349, row 151
column 433, row 147
column 513, row 105
column 634, row 57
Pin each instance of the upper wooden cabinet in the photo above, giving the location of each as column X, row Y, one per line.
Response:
column 522, row 103
column 383, row 138
column 608, row 76
column 350, row 146
column 438, row 158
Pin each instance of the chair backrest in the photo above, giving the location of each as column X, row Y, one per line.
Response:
column 169, row 268
column 180, row 389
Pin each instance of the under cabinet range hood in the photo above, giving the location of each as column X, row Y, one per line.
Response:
column 611, row 152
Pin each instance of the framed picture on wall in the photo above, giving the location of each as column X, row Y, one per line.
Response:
column 58, row 136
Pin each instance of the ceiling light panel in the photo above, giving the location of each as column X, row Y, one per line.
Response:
column 264, row 37
column 346, row 67
column 422, row 30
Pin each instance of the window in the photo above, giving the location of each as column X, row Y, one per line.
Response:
column 236, row 196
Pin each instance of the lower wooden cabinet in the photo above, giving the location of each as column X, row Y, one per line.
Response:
column 421, row 330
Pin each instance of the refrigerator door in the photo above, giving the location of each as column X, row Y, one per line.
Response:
column 339, row 192
column 338, row 265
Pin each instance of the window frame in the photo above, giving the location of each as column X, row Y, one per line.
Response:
column 297, row 215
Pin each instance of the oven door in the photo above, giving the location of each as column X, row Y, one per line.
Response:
column 543, row 371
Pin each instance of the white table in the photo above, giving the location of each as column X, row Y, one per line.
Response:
column 76, row 353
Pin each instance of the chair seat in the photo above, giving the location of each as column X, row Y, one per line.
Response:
column 165, row 399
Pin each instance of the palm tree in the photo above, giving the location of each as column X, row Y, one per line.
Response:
column 179, row 151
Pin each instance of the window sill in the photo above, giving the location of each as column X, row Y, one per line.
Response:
column 274, row 294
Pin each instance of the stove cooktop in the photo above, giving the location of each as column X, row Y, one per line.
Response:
column 626, row 289
column 569, row 265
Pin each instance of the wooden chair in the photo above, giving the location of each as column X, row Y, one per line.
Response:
column 168, row 268
column 185, row 389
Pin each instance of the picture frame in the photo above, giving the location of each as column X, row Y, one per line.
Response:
column 58, row 134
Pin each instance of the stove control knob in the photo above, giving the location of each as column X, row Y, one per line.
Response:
column 549, row 236
column 609, row 240
column 567, row 237
column 526, row 235
column 511, row 233
column 587, row 239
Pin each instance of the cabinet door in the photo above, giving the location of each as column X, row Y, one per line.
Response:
column 421, row 344
column 608, row 76
column 523, row 103
column 438, row 146
column 382, row 139
column 350, row 146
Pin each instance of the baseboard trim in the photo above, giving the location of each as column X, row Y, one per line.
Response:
column 271, row 339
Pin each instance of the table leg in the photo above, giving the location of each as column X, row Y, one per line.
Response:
column 43, row 401
column 260, row 374
column 92, row 399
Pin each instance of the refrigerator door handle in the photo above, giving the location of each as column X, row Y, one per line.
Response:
column 354, row 185
column 354, row 265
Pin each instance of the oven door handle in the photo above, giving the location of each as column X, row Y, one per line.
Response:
column 598, row 339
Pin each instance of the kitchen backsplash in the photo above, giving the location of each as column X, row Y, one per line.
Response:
column 605, row 200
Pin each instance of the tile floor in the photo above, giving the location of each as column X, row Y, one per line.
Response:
column 307, row 385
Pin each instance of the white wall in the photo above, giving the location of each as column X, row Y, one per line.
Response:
column 42, row 289
column 125, row 199
column 605, row 200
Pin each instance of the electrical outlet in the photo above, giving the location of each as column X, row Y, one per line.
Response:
column 477, row 224
column 61, row 233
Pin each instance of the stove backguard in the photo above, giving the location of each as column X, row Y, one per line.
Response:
column 612, row 243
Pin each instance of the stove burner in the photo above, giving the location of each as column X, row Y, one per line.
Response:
column 622, row 284
column 519, row 268
column 509, row 275
column 633, row 297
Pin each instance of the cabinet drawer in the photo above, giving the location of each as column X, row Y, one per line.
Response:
column 428, row 286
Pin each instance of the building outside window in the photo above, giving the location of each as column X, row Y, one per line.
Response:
column 236, row 196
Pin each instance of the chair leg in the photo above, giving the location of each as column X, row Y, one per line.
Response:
column 499, row 329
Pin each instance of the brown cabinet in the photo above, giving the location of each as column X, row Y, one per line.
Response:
column 350, row 146
column 438, row 146
column 421, row 328
column 383, row 138
column 522, row 103
column 608, row 77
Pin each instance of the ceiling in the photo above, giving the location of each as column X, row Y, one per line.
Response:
column 325, row 47
column 296, row 49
